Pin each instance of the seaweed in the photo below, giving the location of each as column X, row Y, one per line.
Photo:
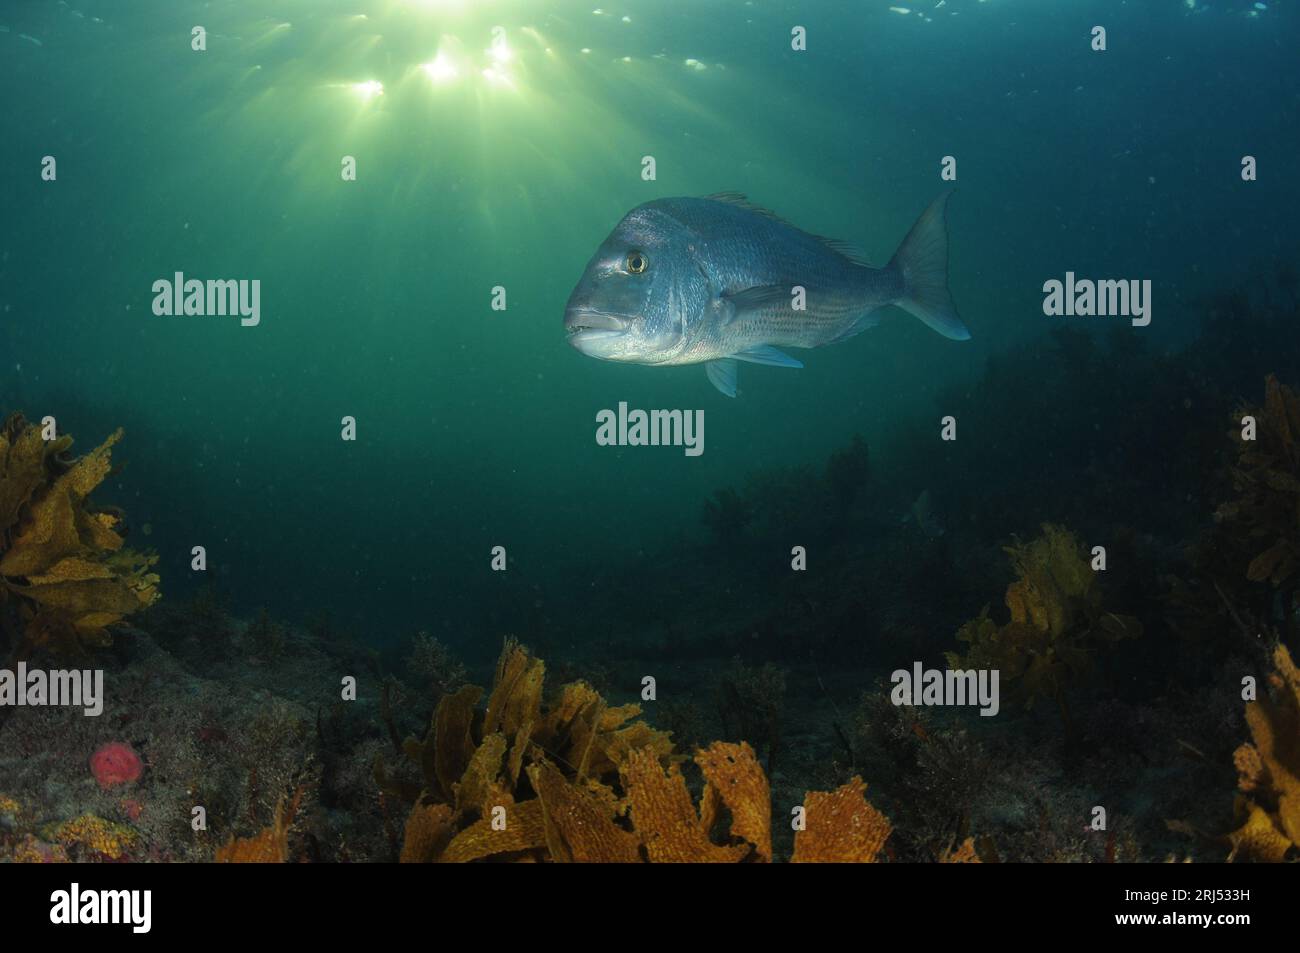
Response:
column 1057, row 623
column 268, row 846
column 578, row 780
column 1268, row 769
column 66, row 575
column 842, row 827
column 435, row 665
column 1264, row 518
column 938, row 777
column 270, row 636
column 749, row 704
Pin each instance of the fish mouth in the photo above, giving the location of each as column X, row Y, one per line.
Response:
column 585, row 327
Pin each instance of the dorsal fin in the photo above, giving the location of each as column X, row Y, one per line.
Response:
column 842, row 248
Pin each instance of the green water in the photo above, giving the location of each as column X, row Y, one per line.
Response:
column 489, row 161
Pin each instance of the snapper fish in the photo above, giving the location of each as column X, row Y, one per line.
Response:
column 719, row 280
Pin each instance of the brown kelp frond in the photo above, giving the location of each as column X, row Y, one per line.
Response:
column 65, row 574
column 1266, row 512
column 577, row 780
column 841, row 827
column 269, row 845
column 1057, row 621
column 1268, row 770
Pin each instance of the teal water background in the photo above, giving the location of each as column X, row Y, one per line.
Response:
column 476, row 428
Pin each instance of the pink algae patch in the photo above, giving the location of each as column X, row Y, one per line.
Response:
column 115, row 763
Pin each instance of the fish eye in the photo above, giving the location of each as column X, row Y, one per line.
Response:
column 637, row 262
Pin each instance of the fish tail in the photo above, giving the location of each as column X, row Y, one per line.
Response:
column 922, row 260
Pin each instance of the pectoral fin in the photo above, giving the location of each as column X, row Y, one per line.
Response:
column 766, row 354
column 758, row 298
column 722, row 375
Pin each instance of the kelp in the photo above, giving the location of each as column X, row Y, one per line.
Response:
column 428, row 831
column 1268, row 770
column 1265, row 515
column 1243, row 575
column 733, row 774
column 269, row 845
column 577, row 780
column 670, row 826
column 580, row 822
column 66, row 575
column 964, row 853
column 489, row 769
column 1057, row 622
column 841, row 827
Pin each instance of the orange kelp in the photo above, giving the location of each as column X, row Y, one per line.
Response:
column 1269, row 769
column 580, row 780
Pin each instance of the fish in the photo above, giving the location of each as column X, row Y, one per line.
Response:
column 719, row 280
column 923, row 513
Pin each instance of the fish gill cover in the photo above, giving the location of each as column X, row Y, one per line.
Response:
column 871, row 430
